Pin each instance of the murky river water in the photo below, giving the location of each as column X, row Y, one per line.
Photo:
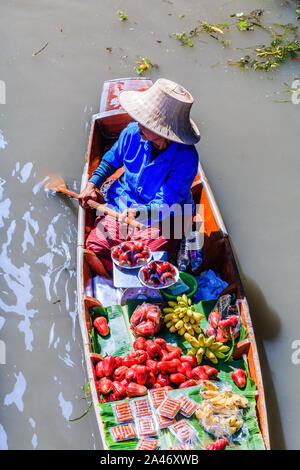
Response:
column 249, row 150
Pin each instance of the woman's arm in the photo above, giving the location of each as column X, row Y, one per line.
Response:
column 111, row 161
column 99, row 176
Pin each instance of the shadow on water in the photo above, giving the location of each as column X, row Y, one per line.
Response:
column 267, row 325
column 69, row 202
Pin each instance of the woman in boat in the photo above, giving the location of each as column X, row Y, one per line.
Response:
column 160, row 163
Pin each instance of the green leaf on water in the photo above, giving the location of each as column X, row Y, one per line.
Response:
column 84, row 414
column 122, row 15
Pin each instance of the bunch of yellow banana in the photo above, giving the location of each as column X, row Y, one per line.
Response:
column 208, row 347
column 219, row 412
column 181, row 317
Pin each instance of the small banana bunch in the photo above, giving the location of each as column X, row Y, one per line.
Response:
column 219, row 412
column 208, row 347
column 181, row 317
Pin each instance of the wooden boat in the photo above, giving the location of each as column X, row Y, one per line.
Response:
column 218, row 254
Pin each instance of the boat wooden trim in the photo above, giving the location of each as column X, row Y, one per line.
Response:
column 109, row 122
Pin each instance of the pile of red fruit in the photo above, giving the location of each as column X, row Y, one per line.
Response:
column 152, row 364
column 221, row 328
column 131, row 253
column 146, row 320
column 158, row 274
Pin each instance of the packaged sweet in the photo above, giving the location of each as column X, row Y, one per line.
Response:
column 187, row 406
column 141, row 407
column 182, row 447
column 123, row 432
column 184, row 431
column 147, row 444
column 163, row 422
column 146, row 426
column 169, row 407
column 122, row 412
column 157, row 396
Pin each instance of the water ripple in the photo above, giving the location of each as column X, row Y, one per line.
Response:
column 66, row 406
column 3, row 142
column 16, row 396
column 3, row 439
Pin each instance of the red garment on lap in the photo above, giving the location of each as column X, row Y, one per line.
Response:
column 107, row 233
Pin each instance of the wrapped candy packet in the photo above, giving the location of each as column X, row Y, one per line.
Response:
column 146, row 427
column 147, row 444
column 181, row 447
column 187, row 406
column 163, row 422
column 123, row 432
column 122, row 412
column 184, row 431
column 169, row 407
column 141, row 407
column 157, row 396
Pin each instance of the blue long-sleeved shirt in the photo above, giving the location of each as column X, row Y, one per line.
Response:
column 160, row 183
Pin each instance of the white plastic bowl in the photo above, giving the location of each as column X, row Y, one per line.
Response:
column 141, row 279
column 137, row 266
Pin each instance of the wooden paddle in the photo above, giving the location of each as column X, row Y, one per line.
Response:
column 57, row 184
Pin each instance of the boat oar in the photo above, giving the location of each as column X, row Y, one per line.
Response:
column 57, row 184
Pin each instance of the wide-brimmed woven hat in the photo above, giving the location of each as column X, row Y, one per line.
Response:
column 164, row 109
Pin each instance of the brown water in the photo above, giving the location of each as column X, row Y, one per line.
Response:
column 249, row 150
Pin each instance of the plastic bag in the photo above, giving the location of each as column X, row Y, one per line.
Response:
column 105, row 292
column 224, row 320
column 221, row 411
column 210, row 285
column 146, row 320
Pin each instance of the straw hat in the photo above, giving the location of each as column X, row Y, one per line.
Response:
column 164, row 109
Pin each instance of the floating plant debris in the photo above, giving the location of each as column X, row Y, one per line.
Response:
column 298, row 9
column 247, row 22
column 122, row 15
column 144, row 64
column 284, row 46
column 41, row 50
column 270, row 56
column 184, row 39
column 211, row 29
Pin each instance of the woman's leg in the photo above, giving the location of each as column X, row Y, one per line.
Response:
column 107, row 233
column 104, row 236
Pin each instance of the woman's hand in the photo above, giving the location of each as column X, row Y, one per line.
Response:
column 89, row 192
column 130, row 213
